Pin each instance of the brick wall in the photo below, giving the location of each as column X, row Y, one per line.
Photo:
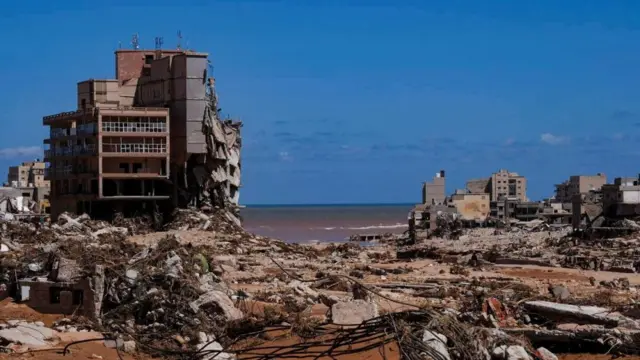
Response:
column 60, row 298
column 129, row 63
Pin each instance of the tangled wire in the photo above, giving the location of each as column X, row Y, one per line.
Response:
column 405, row 330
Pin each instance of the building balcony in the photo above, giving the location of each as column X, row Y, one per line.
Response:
column 145, row 173
column 87, row 129
column 134, row 127
column 133, row 148
column 67, row 171
column 77, row 150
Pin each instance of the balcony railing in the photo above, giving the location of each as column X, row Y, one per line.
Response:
column 68, row 170
column 56, row 133
column 134, row 148
column 87, row 129
column 134, row 126
column 87, row 149
column 82, row 129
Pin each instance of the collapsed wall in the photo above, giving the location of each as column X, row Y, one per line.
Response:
column 215, row 175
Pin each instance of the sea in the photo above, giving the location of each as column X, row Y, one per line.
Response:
column 324, row 223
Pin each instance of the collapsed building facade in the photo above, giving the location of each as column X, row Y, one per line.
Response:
column 151, row 139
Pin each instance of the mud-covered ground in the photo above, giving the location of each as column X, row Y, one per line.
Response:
column 483, row 280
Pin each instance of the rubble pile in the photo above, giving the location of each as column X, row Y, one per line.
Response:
column 203, row 288
column 215, row 220
column 533, row 243
column 138, row 292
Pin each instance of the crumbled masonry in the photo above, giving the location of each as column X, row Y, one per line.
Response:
column 218, row 178
column 205, row 288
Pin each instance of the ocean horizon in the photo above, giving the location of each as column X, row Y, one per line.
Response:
column 327, row 204
column 324, row 222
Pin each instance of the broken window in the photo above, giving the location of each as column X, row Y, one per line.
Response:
column 54, row 295
column 78, row 297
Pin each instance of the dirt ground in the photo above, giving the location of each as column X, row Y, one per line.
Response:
column 89, row 350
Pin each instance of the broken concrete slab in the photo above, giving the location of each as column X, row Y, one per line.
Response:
column 353, row 312
column 545, row 354
column 560, row 292
column 110, row 230
column 623, row 339
column 574, row 313
column 437, row 342
column 212, row 350
column 513, row 352
column 219, row 299
column 303, row 290
column 28, row 334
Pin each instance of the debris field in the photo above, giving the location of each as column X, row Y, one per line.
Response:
column 203, row 288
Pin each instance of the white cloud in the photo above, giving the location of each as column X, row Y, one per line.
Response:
column 553, row 139
column 21, row 151
column 284, row 156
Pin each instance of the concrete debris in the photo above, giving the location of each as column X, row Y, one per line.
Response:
column 577, row 314
column 438, row 343
column 32, row 335
column 353, row 312
column 215, row 178
column 221, row 301
column 560, row 292
column 545, row 354
column 205, row 275
column 513, row 352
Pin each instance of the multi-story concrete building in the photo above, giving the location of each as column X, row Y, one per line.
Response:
column 505, row 184
column 28, row 174
column 622, row 198
column 138, row 141
column 106, row 152
column 434, row 193
column 579, row 184
column 471, row 206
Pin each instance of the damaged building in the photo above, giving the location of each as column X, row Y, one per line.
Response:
column 579, row 184
column 151, row 139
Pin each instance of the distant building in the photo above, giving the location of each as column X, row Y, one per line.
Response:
column 579, row 184
column 622, row 197
column 434, row 193
column 505, row 184
column 28, row 174
column 471, row 206
column 29, row 179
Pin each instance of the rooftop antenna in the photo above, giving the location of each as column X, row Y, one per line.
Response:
column 135, row 42
column 159, row 42
column 179, row 39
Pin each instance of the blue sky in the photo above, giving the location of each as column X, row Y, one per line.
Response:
column 361, row 101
